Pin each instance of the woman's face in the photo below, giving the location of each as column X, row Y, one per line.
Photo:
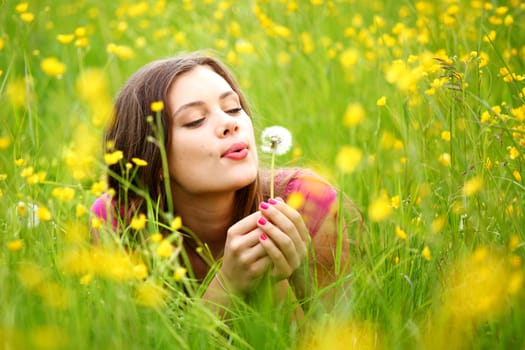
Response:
column 212, row 146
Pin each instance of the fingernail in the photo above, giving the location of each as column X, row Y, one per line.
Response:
column 262, row 221
column 264, row 205
column 263, row 237
column 272, row 201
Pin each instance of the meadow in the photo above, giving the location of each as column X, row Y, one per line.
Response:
column 414, row 109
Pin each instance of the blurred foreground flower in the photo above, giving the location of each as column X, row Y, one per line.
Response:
column 380, row 209
column 151, row 295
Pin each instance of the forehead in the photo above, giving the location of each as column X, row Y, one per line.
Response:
column 198, row 84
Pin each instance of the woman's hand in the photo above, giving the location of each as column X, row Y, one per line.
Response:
column 285, row 237
column 245, row 260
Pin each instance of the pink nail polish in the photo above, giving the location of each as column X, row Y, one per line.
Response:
column 272, row 201
column 264, row 205
column 263, row 237
column 262, row 221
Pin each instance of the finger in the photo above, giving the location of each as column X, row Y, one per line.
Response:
column 276, row 215
column 244, row 225
column 281, row 240
column 281, row 267
column 292, row 214
column 239, row 244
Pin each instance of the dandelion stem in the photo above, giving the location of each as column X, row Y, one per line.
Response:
column 272, row 169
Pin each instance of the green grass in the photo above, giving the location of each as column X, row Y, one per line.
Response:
column 468, row 294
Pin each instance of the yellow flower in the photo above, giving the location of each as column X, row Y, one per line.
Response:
column 65, row 38
column 445, row 135
column 22, row 7
column 179, row 273
column 176, row 224
column 244, row 47
column 86, row 279
column 80, row 210
column 113, row 157
column 140, row 271
column 444, row 159
column 472, row 186
column 4, row 142
column 395, row 201
column 43, row 214
column 348, row 158
column 27, row 17
column 354, row 114
column 157, row 106
column 513, row 152
column 165, row 249
column 156, row 237
column 400, row 233
column 138, row 222
column 438, row 223
column 380, row 209
column 96, row 222
column 139, row 162
column 349, row 57
column 15, row 245
column 151, row 295
column 516, row 175
column 64, row 194
column 381, row 102
column 52, row 67
column 426, row 253
column 295, row 200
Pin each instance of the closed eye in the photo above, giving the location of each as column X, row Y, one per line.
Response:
column 234, row 110
column 194, row 123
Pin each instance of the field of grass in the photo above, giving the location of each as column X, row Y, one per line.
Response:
column 415, row 109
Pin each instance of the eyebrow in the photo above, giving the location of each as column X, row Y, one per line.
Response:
column 200, row 103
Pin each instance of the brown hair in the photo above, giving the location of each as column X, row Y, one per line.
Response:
column 130, row 130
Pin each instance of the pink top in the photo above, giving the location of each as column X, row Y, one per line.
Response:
column 318, row 198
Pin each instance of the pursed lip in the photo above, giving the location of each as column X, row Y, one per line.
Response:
column 235, row 147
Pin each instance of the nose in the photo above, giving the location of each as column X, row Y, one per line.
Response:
column 228, row 126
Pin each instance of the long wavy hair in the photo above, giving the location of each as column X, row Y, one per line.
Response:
column 130, row 131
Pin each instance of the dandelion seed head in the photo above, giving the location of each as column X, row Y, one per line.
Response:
column 276, row 139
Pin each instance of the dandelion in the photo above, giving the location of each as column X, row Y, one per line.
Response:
column 472, row 186
column 179, row 273
column 426, row 253
column 276, row 140
column 138, row 222
column 52, row 67
column 15, row 245
column 157, row 106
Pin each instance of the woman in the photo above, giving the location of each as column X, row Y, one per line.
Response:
column 214, row 184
